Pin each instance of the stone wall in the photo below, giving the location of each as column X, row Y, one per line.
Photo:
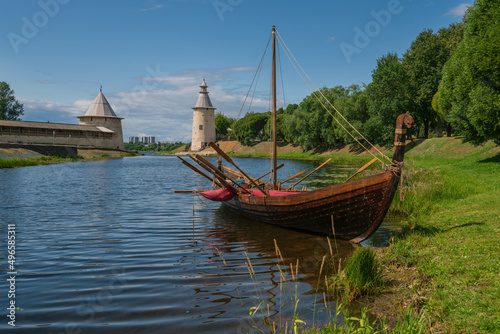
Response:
column 63, row 151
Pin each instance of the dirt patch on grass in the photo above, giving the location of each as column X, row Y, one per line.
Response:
column 405, row 288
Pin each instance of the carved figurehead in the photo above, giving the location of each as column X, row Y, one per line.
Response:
column 403, row 122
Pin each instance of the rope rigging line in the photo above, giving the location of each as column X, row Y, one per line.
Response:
column 325, row 107
column 256, row 76
column 287, row 52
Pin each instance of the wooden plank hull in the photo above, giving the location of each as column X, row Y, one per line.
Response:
column 358, row 208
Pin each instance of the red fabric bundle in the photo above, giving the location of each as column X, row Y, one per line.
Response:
column 219, row 195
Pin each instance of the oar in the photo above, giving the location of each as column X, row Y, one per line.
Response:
column 278, row 167
column 222, row 183
column 293, row 176
column 228, row 159
column 211, row 169
column 216, row 172
column 196, row 170
column 302, row 179
column 361, row 169
column 188, row 191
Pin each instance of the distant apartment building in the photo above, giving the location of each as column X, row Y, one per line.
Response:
column 132, row 140
column 148, row 140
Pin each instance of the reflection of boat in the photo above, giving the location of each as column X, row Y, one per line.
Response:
column 352, row 210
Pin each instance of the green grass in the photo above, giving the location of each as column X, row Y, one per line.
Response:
column 43, row 160
column 451, row 238
column 361, row 276
column 48, row 160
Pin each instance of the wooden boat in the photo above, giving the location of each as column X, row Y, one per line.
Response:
column 350, row 211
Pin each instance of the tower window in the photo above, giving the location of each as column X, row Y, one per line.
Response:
column 201, row 127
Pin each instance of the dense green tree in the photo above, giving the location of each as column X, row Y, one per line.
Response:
column 222, row 124
column 156, row 147
column 423, row 63
column 10, row 108
column 251, row 127
column 470, row 94
column 282, row 126
column 311, row 125
column 354, row 107
column 451, row 38
column 388, row 97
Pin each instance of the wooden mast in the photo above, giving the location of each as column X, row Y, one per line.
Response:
column 274, row 108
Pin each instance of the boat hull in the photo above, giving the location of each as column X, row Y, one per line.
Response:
column 357, row 208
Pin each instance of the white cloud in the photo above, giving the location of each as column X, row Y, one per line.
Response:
column 458, row 10
column 161, row 105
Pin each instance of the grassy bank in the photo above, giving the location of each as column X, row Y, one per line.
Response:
column 443, row 268
column 47, row 160
column 34, row 161
column 450, row 243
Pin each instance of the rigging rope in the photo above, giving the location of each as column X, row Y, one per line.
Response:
column 257, row 71
column 287, row 50
column 256, row 75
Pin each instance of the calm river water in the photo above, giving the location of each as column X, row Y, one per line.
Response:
column 107, row 247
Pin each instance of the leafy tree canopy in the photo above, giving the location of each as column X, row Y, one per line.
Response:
column 222, row 124
column 10, row 108
column 470, row 94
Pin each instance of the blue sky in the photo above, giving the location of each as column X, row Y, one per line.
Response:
column 150, row 56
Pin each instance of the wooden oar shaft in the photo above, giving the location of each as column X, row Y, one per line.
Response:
column 294, row 176
column 194, row 168
column 217, row 173
column 362, row 169
column 188, row 191
column 269, row 172
column 228, row 159
column 220, row 182
column 302, row 179
column 207, row 163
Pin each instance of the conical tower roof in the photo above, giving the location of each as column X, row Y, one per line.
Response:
column 204, row 99
column 100, row 107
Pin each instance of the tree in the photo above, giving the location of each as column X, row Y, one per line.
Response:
column 311, row 125
column 470, row 94
column 354, row 107
column 423, row 63
column 222, row 124
column 250, row 127
column 10, row 108
column 388, row 97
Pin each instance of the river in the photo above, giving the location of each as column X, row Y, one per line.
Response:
column 107, row 247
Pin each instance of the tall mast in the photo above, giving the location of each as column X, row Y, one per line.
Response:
column 274, row 108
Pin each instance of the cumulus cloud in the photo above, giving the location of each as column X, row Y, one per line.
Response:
column 161, row 104
column 458, row 10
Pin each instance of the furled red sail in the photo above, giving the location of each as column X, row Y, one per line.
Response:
column 219, row 195
column 224, row 194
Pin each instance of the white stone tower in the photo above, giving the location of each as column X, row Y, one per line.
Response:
column 203, row 121
column 102, row 115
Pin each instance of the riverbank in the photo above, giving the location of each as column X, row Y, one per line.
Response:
column 22, row 157
column 444, row 264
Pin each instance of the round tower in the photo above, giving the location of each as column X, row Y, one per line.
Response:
column 101, row 115
column 203, row 121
